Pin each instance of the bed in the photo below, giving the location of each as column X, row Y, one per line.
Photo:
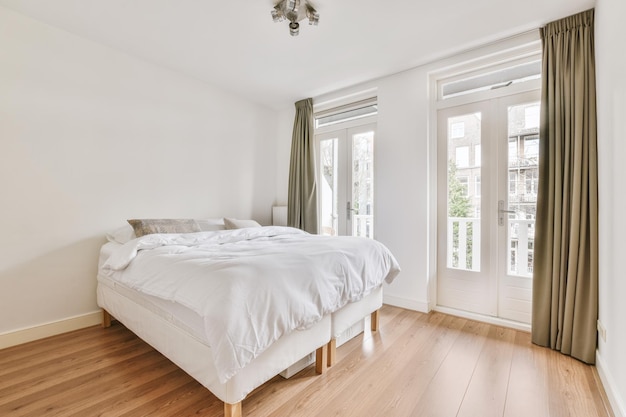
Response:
column 235, row 307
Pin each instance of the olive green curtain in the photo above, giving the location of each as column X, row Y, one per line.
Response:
column 565, row 286
column 302, row 195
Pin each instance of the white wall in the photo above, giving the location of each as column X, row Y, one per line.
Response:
column 283, row 152
column 611, row 94
column 90, row 137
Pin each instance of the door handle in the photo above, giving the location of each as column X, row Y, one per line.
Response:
column 349, row 210
column 502, row 211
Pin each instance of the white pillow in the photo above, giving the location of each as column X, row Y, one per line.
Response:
column 210, row 225
column 122, row 234
column 239, row 224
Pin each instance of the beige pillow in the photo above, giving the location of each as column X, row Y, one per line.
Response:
column 144, row 227
column 239, row 224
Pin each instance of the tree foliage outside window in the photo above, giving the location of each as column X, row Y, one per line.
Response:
column 459, row 206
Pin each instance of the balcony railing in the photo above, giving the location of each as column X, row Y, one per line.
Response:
column 362, row 225
column 530, row 197
column 464, row 241
column 523, row 162
column 521, row 243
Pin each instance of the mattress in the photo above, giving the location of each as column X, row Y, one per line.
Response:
column 174, row 313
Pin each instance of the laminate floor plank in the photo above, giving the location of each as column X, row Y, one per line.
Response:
column 385, row 364
column 110, row 384
column 446, row 390
column 127, row 397
column 568, row 387
column 348, row 373
column 528, row 380
column 416, row 365
column 486, row 393
column 71, row 340
column 18, row 359
column 69, row 388
column 401, row 387
column 60, row 369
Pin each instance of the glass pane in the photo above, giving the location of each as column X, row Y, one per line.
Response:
column 523, row 156
column 363, row 185
column 464, row 159
column 328, row 162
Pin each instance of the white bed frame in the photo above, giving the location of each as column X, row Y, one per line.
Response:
column 195, row 358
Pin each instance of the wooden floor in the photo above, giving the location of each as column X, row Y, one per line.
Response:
column 415, row 365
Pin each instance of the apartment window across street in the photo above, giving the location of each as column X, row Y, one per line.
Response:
column 457, row 130
column 462, row 157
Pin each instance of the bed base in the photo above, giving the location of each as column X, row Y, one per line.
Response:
column 235, row 409
column 325, row 355
column 332, row 344
column 345, row 318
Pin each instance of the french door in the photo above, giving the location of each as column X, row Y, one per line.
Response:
column 487, row 190
column 346, row 181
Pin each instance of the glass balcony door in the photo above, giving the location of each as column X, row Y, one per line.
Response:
column 346, row 181
column 487, row 182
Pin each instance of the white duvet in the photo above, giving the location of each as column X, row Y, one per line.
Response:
column 253, row 285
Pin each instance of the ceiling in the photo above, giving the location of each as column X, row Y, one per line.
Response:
column 236, row 45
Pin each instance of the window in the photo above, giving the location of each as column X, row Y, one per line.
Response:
column 532, row 182
column 512, row 183
column 477, row 187
column 531, row 149
column 462, row 157
column 513, row 159
column 531, row 117
column 457, row 130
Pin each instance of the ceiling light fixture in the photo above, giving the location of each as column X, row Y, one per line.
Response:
column 295, row 11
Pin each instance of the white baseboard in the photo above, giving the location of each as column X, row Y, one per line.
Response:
column 406, row 303
column 485, row 319
column 17, row 337
column 617, row 403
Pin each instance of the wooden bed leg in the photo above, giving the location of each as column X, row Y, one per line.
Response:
column 106, row 319
column 375, row 320
column 332, row 352
column 321, row 359
column 232, row 410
